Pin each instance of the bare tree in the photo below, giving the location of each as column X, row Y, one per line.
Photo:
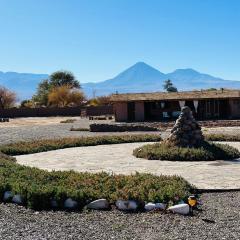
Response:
column 7, row 98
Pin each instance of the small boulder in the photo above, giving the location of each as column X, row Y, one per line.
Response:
column 150, row 206
column 126, row 205
column 98, row 204
column 161, row 206
column 7, row 196
column 54, row 203
column 153, row 206
column 17, row 199
column 70, row 204
column 180, row 209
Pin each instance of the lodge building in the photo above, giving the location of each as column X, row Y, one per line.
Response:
column 161, row 106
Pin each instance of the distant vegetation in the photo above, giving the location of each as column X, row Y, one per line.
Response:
column 168, row 86
column 8, row 98
column 61, row 89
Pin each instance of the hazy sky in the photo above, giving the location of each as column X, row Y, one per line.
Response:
column 96, row 39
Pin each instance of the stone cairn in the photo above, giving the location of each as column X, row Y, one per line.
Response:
column 186, row 131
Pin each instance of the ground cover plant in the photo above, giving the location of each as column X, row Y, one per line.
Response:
column 38, row 187
column 222, row 137
column 207, row 152
column 70, row 120
column 53, row 144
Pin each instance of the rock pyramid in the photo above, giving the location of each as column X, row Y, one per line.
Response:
column 186, row 131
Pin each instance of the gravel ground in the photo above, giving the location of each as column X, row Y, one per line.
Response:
column 219, row 219
column 26, row 129
column 27, row 133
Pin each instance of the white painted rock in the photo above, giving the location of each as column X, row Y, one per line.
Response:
column 17, row 199
column 126, row 205
column 70, row 204
column 54, row 203
column 152, row 206
column 98, row 204
column 7, row 196
column 180, row 208
column 161, row 206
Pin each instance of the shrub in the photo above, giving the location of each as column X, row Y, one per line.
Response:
column 70, row 120
column 207, row 152
column 38, row 187
column 53, row 144
column 222, row 137
column 6, row 157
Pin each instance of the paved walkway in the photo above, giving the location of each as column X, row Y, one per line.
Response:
column 119, row 159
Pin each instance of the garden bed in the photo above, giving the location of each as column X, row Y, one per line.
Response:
column 208, row 152
column 21, row 148
column 38, row 188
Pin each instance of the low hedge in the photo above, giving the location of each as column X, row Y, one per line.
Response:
column 6, row 157
column 39, row 187
column 70, row 120
column 222, row 137
column 208, row 152
column 54, row 144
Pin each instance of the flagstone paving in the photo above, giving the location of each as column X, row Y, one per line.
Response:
column 119, row 159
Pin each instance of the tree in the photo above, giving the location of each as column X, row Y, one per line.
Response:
column 168, row 86
column 99, row 101
column 104, row 100
column 7, row 98
column 56, row 79
column 27, row 104
column 41, row 97
column 211, row 89
column 61, row 78
column 65, row 96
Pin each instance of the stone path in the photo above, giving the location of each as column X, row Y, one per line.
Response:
column 119, row 159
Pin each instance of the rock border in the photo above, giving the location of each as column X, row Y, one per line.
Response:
column 102, row 204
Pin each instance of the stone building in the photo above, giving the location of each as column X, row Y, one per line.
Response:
column 158, row 106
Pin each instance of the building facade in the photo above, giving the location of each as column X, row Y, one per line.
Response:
column 160, row 106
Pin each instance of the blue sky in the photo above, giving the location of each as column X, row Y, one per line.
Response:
column 96, row 39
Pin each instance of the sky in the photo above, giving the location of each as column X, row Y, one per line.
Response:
column 97, row 39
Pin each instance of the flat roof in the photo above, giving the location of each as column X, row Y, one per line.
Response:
column 185, row 95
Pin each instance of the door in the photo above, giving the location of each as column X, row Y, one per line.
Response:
column 131, row 111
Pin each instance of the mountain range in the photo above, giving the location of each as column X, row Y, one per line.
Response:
column 143, row 78
column 138, row 78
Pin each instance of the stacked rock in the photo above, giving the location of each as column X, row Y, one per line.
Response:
column 186, row 131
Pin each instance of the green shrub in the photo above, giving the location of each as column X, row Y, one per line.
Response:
column 6, row 157
column 38, row 187
column 207, row 152
column 53, row 144
column 70, row 120
column 222, row 137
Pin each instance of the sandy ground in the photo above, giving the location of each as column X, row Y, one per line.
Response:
column 35, row 121
column 118, row 159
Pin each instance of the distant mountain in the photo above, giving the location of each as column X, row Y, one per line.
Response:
column 138, row 78
column 24, row 84
column 143, row 78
